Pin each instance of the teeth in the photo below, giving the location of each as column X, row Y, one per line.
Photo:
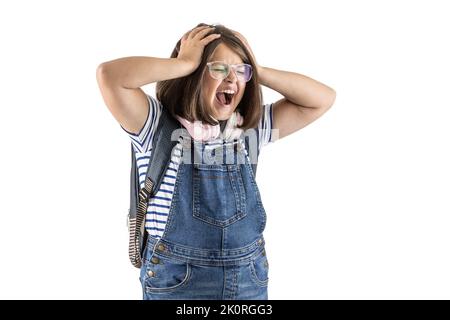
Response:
column 228, row 91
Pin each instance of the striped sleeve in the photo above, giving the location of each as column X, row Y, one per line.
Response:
column 142, row 142
column 265, row 126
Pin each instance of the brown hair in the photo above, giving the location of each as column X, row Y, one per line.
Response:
column 182, row 96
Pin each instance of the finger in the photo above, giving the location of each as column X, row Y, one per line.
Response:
column 190, row 33
column 185, row 36
column 197, row 30
column 202, row 33
column 210, row 38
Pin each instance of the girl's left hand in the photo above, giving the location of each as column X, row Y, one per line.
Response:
column 245, row 42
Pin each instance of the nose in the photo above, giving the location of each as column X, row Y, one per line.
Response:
column 231, row 76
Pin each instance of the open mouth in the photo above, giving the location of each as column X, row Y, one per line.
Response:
column 224, row 98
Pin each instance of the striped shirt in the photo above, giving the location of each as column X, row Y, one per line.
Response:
column 159, row 204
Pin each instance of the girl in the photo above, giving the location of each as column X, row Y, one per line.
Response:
column 205, row 222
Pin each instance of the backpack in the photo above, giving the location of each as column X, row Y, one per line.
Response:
column 162, row 147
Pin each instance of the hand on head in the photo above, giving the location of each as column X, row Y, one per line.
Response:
column 193, row 43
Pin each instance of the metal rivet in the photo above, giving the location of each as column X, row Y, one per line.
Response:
column 266, row 264
column 161, row 247
column 151, row 273
column 154, row 260
column 259, row 241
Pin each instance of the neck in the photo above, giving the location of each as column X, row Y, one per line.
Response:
column 222, row 124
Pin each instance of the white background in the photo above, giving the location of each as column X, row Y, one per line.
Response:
column 357, row 202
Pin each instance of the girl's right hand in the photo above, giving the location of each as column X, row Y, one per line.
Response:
column 192, row 44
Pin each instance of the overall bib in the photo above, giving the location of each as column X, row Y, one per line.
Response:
column 212, row 246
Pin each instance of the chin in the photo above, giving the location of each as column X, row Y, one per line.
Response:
column 223, row 113
column 222, row 116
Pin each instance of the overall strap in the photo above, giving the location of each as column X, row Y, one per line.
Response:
column 251, row 140
column 162, row 147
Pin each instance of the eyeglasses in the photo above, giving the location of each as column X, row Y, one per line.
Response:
column 220, row 70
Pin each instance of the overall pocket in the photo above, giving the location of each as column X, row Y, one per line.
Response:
column 161, row 274
column 259, row 269
column 218, row 194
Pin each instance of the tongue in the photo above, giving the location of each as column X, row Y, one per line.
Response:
column 221, row 97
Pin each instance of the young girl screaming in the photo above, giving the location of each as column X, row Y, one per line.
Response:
column 205, row 222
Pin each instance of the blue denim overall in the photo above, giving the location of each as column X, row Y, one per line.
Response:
column 212, row 246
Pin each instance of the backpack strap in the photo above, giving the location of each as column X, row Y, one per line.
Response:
column 162, row 147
